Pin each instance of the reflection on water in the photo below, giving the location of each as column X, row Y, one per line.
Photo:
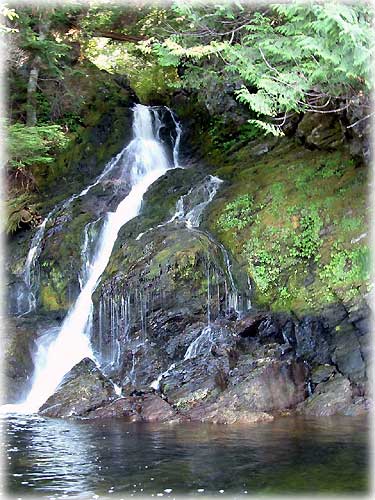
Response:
column 85, row 459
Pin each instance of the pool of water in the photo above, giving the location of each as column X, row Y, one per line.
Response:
column 49, row 458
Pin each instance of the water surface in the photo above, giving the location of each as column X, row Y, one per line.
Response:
column 51, row 458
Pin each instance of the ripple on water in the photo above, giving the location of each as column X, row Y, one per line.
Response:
column 53, row 458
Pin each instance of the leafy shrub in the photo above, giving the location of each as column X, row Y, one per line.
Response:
column 29, row 147
column 21, row 210
column 306, row 241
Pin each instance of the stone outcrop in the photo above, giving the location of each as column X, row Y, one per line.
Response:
column 83, row 389
column 244, row 371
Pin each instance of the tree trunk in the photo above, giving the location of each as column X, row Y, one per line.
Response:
column 31, row 92
column 31, row 108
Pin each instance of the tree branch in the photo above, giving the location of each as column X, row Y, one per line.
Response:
column 361, row 120
column 119, row 37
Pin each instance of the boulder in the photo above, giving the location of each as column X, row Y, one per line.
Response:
column 156, row 409
column 123, row 407
column 329, row 398
column 217, row 413
column 322, row 131
column 144, row 408
column 83, row 389
column 269, row 386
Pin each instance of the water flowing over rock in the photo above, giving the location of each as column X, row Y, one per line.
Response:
column 161, row 312
column 172, row 275
column 143, row 161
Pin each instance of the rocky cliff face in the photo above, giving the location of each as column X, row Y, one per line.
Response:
column 220, row 313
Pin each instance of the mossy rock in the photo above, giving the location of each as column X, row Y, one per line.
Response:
column 304, row 245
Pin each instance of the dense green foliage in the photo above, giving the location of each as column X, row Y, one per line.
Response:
column 28, row 146
column 237, row 214
column 289, row 58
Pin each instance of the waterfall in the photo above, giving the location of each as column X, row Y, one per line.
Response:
column 192, row 218
column 201, row 344
column 176, row 145
column 145, row 160
column 30, row 276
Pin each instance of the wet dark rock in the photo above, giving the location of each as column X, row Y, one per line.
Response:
column 322, row 373
column 333, row 315
column 165, row 272
column 360, row 406
column 216, row 413
column 249, row 326
column 267, row 327
column 83, row 389
column 193, row 381
column 256, row 387
column 347, row 354
column 137, row 408
column 239, row 371
column 288, row 330
column 312, row 344
column 123, row 407
column 18, row 364
column 269, row 385
column 156, row 409
column 19, row 343
column 269, row 331
column 236, row 388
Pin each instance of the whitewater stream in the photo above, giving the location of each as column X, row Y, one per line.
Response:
column 111, row 458
column 144, row 161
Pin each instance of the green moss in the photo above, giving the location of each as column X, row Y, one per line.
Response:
column 307, row 208
column 99, row 122
column 49, row 298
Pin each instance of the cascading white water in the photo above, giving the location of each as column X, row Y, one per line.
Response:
column 146, row 160
column 29, row 275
